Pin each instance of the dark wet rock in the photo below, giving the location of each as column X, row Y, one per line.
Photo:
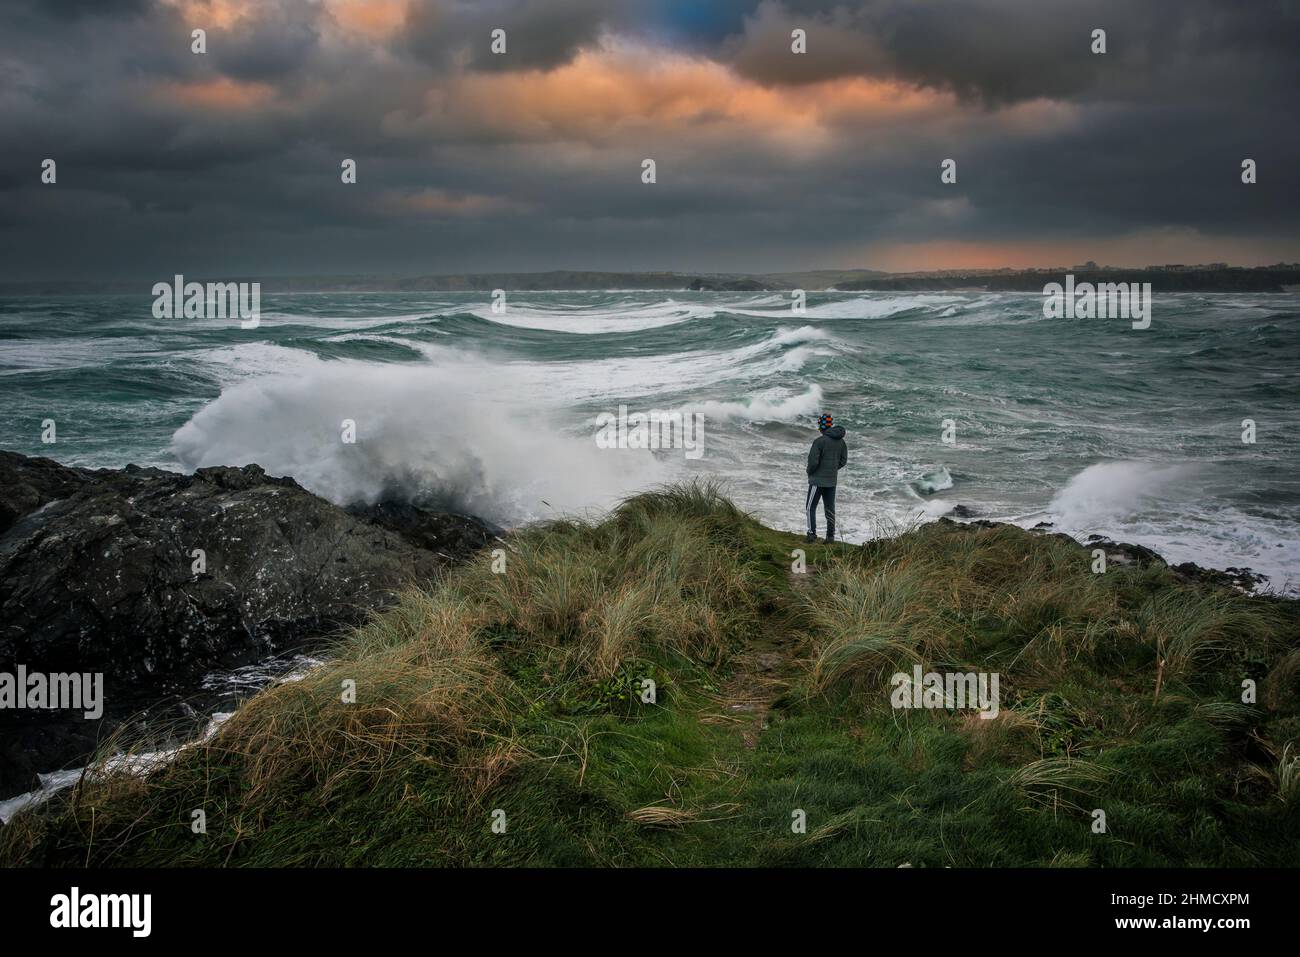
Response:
column 447, row 534
column 28, row 484
column 98, row 574
column 1123, row 553
column 105, row 578
column 1059, row 536
column 961, row 511
column 1240, row 578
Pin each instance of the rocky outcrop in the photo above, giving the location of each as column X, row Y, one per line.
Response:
column 1123, row 553
column 27, row 484
column 154, row 578
column 449, row 535
column 1126, row 553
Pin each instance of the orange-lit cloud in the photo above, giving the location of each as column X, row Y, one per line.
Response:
column 372, row 18
column 221, row 93
column 213, row 14
column 604, row 94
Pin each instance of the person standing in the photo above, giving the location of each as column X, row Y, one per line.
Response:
column 829, row 454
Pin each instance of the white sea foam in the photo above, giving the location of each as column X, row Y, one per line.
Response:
column 624, row 377
column 588, row 320
column 41, row 355
column 850, row 307
column 271, row 317
column 248, row 360
column 768, row 406
column 792, row 337
column 937, row 481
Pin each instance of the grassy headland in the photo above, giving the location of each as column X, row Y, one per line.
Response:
column 520, row 691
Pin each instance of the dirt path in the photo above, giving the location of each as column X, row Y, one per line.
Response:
column 761, row 677
column 763, row 673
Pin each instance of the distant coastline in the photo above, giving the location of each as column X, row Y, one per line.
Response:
column 1215, row 277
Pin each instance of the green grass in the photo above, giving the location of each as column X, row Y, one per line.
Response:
column 519, row 692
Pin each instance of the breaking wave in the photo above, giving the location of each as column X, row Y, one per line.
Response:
column 444, row 436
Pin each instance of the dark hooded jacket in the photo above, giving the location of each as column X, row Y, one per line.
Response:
column 827, row 456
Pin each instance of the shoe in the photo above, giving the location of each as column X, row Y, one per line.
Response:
column 810, row 537
column 830, row 539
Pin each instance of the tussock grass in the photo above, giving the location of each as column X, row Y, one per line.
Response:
column 1187, row 628
column 1288, row 776
column 659, row 575
column 1044, row 779
column 520, row 691
column 940, row 590
column 1282, row 686
column 660, row 816
column 872, row 620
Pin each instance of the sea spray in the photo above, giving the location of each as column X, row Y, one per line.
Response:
column 1108, row 491
column 655, row 430
column 447, row 438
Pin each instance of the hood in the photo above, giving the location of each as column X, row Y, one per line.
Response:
column 834, row 432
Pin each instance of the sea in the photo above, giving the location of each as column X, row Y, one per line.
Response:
column 1183, row 437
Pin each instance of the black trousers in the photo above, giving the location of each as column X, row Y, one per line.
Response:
column 826, row 495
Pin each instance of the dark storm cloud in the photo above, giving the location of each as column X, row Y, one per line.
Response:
column 539, row 36
column 469, row 161
column 277, row 41
column 74, row 9
column 999, row 52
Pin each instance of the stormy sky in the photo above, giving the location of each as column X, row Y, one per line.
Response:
column 228, row 162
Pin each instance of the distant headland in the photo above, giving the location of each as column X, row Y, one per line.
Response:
column 1176, row 277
